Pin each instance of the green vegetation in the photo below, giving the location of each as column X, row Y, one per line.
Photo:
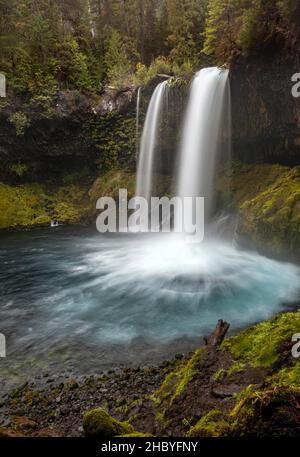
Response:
column 114, row 136
column 254, row 406
column 176, row 381
column 259, row 345
column 272, row 218
column 84, row 44
column 213, row 424
column 74, row 201
column 246, row 27
column 20, row 121
column 267, row 198
column 98, row 423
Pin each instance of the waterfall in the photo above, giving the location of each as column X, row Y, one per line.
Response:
column 149, row 141
column 137, row 125
column 207, row 121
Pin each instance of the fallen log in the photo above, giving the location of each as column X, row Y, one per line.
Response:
column 217, row 336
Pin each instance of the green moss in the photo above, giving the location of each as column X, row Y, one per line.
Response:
column 36, row 204
column 287, row 376
column 137, row 435
column 98, row 423
column 218, row 375
column 109, row 184
column 176, row 381
column 246, row 181
column 213, row 424
column 272, row 218
column 252, row 403
column 258, row 345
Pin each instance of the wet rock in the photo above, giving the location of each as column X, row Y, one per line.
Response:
column 225, row 391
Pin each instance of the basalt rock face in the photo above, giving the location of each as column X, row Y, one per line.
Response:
column 57, row 133
column 266, row 117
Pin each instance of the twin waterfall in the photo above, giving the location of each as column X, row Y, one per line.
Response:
column 205, row 139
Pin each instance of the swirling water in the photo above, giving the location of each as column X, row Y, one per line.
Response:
column 73, row 295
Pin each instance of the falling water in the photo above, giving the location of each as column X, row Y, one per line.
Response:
column 205, row 120
column 149, row 141
column 137, row 131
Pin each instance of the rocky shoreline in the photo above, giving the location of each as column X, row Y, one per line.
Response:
column 247, row 385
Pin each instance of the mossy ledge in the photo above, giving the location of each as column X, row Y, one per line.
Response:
column 251, row 379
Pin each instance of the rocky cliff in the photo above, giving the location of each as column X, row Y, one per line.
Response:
column 52, row 135
column 266, row 117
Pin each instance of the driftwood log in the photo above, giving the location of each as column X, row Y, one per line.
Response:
column 218, row 335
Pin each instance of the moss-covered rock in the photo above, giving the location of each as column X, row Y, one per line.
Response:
column 260, row 345
column 272, row 218
column 98, row 423
column 267, row 412
column 267, row 199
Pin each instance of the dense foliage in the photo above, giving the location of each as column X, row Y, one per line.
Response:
column 83, row 44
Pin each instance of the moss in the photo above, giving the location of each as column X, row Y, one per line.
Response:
column 258, row 345
column 213, row 424
column 287, row 376
column 219, row 374
column 176, row 381
column 272, row 218
column 110, row 183
column 98, row 423
column 252, row 405
column 137, row 435
column 36, row 204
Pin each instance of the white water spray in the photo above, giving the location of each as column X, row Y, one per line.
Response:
column 149, row 141
column 206, row 115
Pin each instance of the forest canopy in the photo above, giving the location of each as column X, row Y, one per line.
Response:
column 46, row 45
